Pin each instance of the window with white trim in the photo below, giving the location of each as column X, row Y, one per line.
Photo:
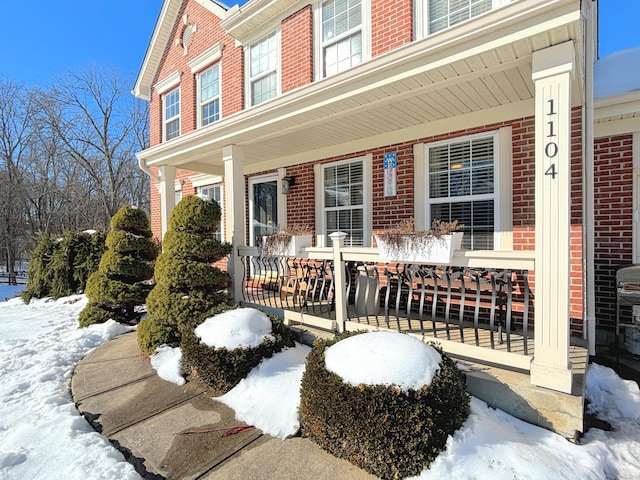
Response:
column 214, row 192
column 462, row 185
column 209, row 95
column 341, row 35
column 437, row 15
column 171, row 114
column 262, row 69
column 344, row 200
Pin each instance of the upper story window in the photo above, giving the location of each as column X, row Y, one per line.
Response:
column 263, row 69
column 171, row 114
column 209, row 96
column 342, row 37
column 439, row 15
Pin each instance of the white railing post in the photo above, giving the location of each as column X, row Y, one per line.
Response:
column 340, row 281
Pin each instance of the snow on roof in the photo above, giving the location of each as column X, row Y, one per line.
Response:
column 617, row 74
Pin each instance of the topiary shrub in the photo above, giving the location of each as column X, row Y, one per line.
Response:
column 61, row 266
column 121, row 282
column 221, row 369
column 188, row 288
column 151, row 334
column 383, row 429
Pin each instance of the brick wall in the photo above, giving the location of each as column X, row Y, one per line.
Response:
column 208, row 32
column 391, row 25
column 613, row 191
column 387, row 212
column 297, row 49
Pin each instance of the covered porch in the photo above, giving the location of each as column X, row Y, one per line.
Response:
column 480, row 309
column 525, row 60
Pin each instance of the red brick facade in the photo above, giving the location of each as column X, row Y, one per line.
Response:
column 613, row 171
column 297, row 49
column 391, row 27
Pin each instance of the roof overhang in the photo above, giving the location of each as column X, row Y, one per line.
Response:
column 617, row 115
column 256, row 16
column 466, row 75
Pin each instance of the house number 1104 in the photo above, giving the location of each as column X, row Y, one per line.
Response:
column 551, row 147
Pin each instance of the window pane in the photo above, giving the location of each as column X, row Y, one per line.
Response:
column 210, row 112
column 344, row 200
column 172, row 129
column 445, row 13
column 214, row 192
column 464, row 169
column 263, row 89
column 341, row 23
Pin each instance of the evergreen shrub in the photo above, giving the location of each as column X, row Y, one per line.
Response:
column 61, row 266
column 381, row 429
column 122, row 281
column 188, row 288
column 222, row 369
column 151, row 334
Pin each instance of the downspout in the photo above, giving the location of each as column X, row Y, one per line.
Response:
column 589, row 328
column 143, row 166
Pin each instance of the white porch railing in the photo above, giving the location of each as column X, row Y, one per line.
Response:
column 479, row 307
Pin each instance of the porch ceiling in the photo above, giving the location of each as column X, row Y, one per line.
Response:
column 470, row 69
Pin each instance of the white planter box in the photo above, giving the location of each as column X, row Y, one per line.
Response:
column 434, row 250
column 293, row 248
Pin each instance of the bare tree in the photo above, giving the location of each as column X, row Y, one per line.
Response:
column 99, row 123
column 16, row 116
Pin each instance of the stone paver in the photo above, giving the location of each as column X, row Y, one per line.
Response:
column 178, row 432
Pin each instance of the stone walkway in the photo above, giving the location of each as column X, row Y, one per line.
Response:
column 178, row 432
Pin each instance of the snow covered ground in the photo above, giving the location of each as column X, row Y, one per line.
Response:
column 43, row 436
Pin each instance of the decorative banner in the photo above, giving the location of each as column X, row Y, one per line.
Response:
column 390, row 175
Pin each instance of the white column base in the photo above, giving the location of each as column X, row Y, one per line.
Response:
column 549, row 376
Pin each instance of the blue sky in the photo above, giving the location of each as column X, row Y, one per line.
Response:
column 43, row 39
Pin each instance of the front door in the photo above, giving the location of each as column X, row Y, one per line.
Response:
column 263, row 215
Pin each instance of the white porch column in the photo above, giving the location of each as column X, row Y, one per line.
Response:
column 233, row 157
column 552, row 71
column 167, row 194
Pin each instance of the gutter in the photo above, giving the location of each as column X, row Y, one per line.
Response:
column 143, row 166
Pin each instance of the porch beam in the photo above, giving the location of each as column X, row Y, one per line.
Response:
column 233, row 158
column 167, row 194
column 553, row 68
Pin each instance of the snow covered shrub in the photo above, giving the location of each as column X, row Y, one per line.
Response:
column 188, row 288
column 390, row 430
column 223, row 349
column 61, row 266
column 122, row 280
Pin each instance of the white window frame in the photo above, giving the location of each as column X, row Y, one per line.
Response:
column 277, row 69
column 165, row 120
column 423, row 20
column 503, row 184
column 220, row 186
column 322, row 237
column 320, row 44
column 217, row 98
